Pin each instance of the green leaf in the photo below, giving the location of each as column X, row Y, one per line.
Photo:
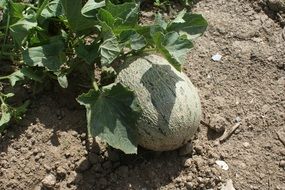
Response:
column 137, row 42
column 76, row 20
column 127, row 12
column 112, row 115
column 20, row 30
column 16, row 11
column 160, row 22
column 32, row 74
column 3, row 3
column 87, row 52
column 53, row 9
column 174, row 47
column 50, row 56
column 194, row 25
column 133, row 39
column 107, row 17
column 109, row 50
column 90, row 8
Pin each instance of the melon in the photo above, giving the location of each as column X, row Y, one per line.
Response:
column 170, row 104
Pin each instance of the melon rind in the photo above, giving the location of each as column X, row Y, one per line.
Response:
column 170, row 104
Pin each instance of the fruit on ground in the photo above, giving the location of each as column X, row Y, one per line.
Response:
column 170, row 103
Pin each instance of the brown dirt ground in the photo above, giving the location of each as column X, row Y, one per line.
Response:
column 49, row 149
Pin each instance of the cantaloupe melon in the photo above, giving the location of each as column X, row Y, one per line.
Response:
column 170, row 103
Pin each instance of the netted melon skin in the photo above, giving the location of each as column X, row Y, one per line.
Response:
column 171, row 108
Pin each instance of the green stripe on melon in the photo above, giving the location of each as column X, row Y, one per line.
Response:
column 171, row 109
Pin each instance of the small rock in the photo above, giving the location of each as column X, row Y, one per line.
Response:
column 237, row 119
column 218, row 123
column 228, row 186
column 187, row 162
column 74, row 133
column 61, row 171
column 186, row 149
column 222, row 164
column 47, row 167
column 217, row 57
column 37, row 157
column 74, row 178
column 246, row 144
column 198, row 149
column 49, row 181
column 282, row 163
column 83, row 136
column 67, row 154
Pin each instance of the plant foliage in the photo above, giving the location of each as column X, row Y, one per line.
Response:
column 45, row 38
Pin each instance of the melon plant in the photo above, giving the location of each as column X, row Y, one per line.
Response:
column 53, row 39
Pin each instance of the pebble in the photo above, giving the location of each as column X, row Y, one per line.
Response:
column 67, row 154
column 246, row 144
column 83, row 136
column 222, row 164
column 187, row 162
column 49, row 181
column 47, row 167
column 217, row 57
column 198, row 149
column 74, row 133
column 61, row 171
column 228, row 186
column 74, row 178
column 282, row 163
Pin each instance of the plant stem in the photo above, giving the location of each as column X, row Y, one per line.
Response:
column 6, row 32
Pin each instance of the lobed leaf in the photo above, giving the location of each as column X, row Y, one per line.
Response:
column 173, row 47
column 90, row 9
column 192, row 25
column 111, row 115
column 50, row 56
